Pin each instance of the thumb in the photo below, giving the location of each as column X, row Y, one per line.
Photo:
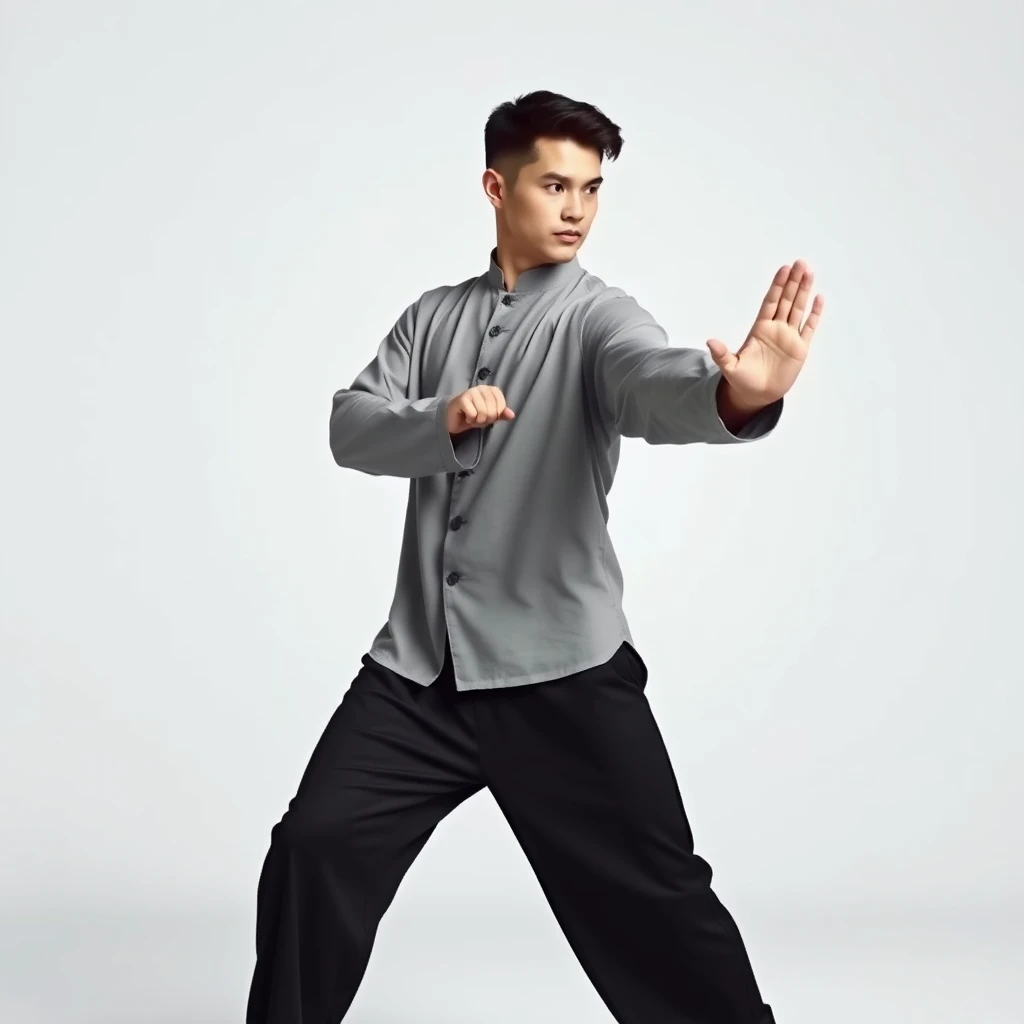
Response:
column 724, row 359
column 507, row 414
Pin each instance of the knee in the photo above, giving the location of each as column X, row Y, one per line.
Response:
column 310, row 832
column 305, row 831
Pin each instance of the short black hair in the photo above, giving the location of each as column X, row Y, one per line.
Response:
column 513, row 127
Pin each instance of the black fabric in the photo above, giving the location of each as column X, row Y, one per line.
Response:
column 580, row 771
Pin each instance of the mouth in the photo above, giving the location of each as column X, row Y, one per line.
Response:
column 567, row 236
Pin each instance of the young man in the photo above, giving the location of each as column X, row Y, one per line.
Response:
column 506, row 661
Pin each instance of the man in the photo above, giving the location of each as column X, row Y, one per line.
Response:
column 506, row 661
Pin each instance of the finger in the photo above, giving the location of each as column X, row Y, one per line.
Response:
column 774, row 293
column 724, row 359
column 807, row 333
column 789, row 290
column 469, row 404
column 471, row 410
column 796, row 314
column 499, row 403
column 490, row 404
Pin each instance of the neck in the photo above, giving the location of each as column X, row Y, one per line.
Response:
column 513, row 262
column 519, row 272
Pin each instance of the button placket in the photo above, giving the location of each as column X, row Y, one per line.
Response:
column 485, row 371
column 506, row 300
column 458, row 521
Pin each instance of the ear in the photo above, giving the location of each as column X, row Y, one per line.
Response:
column 494, row 188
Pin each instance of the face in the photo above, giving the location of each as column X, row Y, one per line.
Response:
column 555, row 193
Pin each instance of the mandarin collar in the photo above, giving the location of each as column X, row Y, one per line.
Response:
column 536, row 279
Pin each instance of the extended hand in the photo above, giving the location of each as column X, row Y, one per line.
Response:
column 768, row 362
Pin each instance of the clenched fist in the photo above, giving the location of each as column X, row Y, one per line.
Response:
column 477, row 407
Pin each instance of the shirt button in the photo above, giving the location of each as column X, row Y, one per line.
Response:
column 456, row 522
column 507, row 300
column 453, row 578
column 483, row 373
column 494, row 331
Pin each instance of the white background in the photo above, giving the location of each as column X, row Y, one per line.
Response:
column 212, row 213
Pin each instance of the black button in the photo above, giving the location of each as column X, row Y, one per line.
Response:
column 453, row 578
column 483, row 373
column 507, row 300
column 465, row 472
column 494, row 331
column 456, row 522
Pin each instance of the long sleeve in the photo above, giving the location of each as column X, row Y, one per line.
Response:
column 376, row 428
column 647, row 388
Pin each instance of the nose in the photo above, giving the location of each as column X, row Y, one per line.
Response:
column 573, row 209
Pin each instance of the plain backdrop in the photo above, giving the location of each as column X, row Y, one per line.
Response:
column 211, row 215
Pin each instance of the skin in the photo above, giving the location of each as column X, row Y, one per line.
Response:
column 558, row 190
column 532, row 201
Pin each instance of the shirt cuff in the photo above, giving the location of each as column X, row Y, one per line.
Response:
column 757, row 427
column 470, row 448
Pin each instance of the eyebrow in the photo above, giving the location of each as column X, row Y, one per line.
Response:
column 555, row 176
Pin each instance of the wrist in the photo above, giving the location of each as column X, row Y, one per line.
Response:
column 736, row 409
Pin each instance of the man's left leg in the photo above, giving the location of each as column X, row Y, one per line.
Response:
column 579, row 769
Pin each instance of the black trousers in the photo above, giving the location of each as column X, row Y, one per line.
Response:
column 580, row 771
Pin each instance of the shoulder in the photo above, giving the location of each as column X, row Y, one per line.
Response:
column 424, row 311
column 430, row 307
column 440, row 299
column 608, row 309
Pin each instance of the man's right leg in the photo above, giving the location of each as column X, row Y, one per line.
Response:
column 394, row 759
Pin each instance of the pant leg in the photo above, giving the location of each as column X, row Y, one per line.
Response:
column 579, row 768
column 393, row 760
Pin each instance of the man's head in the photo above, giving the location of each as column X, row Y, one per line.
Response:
column 543, row 153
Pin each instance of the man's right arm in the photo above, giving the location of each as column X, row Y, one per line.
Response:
column 377, row 429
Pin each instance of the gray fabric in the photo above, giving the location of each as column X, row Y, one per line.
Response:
column 538, row 591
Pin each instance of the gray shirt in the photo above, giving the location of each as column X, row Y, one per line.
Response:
column 506, row 543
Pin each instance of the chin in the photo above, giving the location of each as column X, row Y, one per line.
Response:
column 561, row 252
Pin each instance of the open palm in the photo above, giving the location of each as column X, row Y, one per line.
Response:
column 773, row 354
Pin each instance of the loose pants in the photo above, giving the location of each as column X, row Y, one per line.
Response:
column 579, row 770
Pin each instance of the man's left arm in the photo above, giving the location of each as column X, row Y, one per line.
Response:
column 671, row 395
column 663, row 393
